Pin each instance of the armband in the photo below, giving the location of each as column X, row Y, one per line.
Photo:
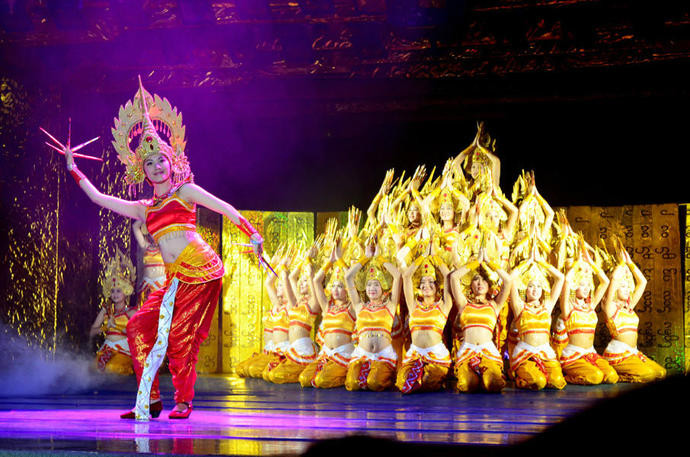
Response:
column 246, row 228
column 77, row 175
column 493, row 265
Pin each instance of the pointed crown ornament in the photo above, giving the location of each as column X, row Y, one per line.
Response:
column 146, row 118
column 119, row 273
column 452, row 196
column 374, row 270
column 337, row 274
column 582, row 274
column 428, row 267
column 486, row 204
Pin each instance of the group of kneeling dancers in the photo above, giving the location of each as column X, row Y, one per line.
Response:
column 445, row 277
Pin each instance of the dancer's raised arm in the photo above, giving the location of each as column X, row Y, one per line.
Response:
column 194, row 193
column 132, row 209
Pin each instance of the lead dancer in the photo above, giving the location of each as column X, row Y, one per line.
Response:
column 178, row 316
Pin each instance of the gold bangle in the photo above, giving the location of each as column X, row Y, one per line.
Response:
column 363, row 260
column 340, row 263
column 472, row 265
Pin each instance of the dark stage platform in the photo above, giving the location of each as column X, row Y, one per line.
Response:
column 234, row 416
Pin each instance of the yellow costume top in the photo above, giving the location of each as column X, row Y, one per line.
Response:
column 623, row 321
column 478, row 315
column 581, row 321
column 302, row 316
column 152, row 257
column 338, row 320
column 431, row 318
column 268, row 321
column 533, row 322
column 449, row 237
column 120, row 327
column 374, row 320
column 280, row 320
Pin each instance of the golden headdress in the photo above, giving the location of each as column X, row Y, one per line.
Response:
column 120, row 273
column 612, row 261
column 486, row 204
column 350, row 236
column 566, row 243
column 478, row 151
column 581, row 273
column 427, row 267
column 147, row 117
column 530, row 271
column 337, row 274
column 486, row 272
column 304, row 260
column 449, row 194
column 374, row 270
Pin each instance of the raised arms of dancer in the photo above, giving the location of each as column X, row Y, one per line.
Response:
column 369, row 251
column 318, row 282
column 512, row 211
column 456, row 287
column 312, row 302
column 408, row 286
column 609, row 304
column 495, row 161
column 517, row 303
column 373, row 210
column 289, row 290
column 270, row 281
column 392, row 304
column 412, row 188
column 296, row 275
column 569, row 285
column 318, row 285
column 548, row 211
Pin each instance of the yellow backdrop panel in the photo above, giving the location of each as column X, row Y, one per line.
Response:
column 651, row 234
column 244, row 298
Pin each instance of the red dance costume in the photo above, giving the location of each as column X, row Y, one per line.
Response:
column 199, row 271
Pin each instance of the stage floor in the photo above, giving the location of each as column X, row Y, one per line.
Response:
column 234, row 416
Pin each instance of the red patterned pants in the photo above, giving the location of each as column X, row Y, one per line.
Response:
column 192, row 316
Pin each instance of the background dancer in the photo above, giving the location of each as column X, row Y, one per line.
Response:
column 114, row 355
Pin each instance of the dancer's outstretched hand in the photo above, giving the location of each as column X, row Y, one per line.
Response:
column 69, row 157
column 257, row 243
